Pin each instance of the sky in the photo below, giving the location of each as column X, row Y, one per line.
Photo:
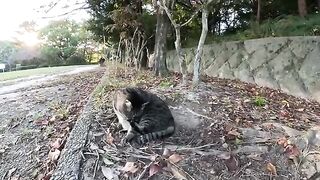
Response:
column 14, row 12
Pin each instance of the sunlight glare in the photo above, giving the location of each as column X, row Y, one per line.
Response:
column 30, row 39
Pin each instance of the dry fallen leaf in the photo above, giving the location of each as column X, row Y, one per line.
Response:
column 175, row 158
column 15, row 177
column 300, row 109
column 154, row 169
column 284, row 113
column 292, row 151
column 107, row 161
column 11, row 171
column 283, row 141
column 285, row 103
column 110, row 139
column 256, row 157
column 176, row 172
column 271, row 168
column 130, row 167
column 166, row 152
column 57, row 143
column 232, row 163
column 54, row 155
column 109, row 173
column 228, row 127
column 224, row 156
column 234, row 132
column 93, row 146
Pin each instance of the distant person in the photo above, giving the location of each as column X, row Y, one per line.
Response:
column 101, row 62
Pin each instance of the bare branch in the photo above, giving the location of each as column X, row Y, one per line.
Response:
column 54, row 5
column 84, row 6
column 163, row 6
column 190, row 19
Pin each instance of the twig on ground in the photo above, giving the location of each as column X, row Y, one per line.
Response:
column 89, row 153
column 209, row 153
column 145, row 170
column 181, row 148
column 95, row 165
column 4, row 175
column 198, row 147
column 315, row 176
column 245, row 166
column 102, row 126
column 82, row 155
column 139, row 156
column 179, row 168
column 200, row 115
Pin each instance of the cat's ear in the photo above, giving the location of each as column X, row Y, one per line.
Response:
column 144, row 105
column 128, row 105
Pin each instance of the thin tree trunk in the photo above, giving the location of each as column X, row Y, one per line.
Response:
column 197, row 60
column 302, row 7
column 182, row 63
column 259, row 11
column 144, row 59
column 119, row 50
column 177, row 43
column 161, row 43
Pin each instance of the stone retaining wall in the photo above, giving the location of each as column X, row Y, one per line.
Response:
column 291, row 64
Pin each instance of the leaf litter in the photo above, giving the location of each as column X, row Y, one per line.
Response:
column 52, row 109
column 218, row 147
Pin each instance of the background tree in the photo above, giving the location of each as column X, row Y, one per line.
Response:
column 61, row 40
column 7, row 50
column 177, row 28
column 302, row 7
column 126, row 25
column 197, row 59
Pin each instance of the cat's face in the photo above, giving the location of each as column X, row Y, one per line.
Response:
column 122, row 104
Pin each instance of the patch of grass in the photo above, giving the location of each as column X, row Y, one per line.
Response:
column 165, row 84
column 282, row 26
column 259, row 101
column 28, row 132
column 35, row 72
column 48, row 131
column 60, row 110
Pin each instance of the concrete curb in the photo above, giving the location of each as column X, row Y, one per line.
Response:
column 70, row 159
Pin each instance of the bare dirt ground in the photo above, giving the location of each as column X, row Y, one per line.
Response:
column 37, row 115
column 225, row 130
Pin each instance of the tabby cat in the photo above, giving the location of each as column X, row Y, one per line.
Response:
column 144, row 115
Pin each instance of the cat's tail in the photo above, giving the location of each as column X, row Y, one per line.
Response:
column 158, row 135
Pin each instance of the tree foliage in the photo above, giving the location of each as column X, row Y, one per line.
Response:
column 62, row 40
column 7, row 50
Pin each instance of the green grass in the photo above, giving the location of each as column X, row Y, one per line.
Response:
column 282, row 26
column 259, row 101
column 34, row 72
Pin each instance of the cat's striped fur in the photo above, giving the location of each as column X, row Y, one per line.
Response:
column 144, row 115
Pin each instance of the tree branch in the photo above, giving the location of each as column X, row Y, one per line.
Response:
column 190, row 19
column 84, row 6
column 163, row 6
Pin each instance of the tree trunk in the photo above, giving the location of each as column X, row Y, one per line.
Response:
column 182, row 63
column 197, row 60
column 144, row 59
column 259, row 11
column 160, row 49
column 302, row 7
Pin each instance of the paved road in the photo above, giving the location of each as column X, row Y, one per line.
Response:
column 27, row 105
column 10, row 86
